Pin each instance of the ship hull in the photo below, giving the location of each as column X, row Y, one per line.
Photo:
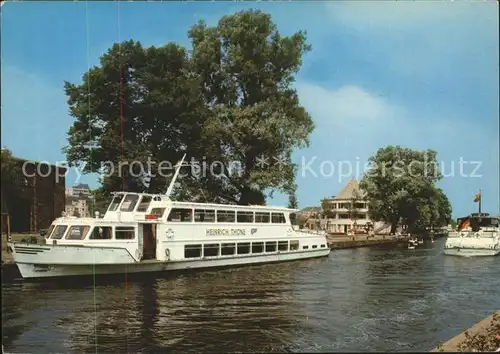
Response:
column 45, row 271
column 471, row 252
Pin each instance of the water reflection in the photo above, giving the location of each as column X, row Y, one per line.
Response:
column 355, row 300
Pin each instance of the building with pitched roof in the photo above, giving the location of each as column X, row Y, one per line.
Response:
column 348, row 212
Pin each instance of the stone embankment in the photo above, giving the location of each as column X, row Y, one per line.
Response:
column 484, row 336
column 342, row 242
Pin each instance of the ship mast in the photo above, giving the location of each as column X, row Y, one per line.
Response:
column 172, row 182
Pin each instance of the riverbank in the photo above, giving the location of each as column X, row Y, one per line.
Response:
column 484, row 336
column 344, row 242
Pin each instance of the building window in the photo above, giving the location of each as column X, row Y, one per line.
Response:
column 192, row 251
column 244, row 248
column 144, row 204
column 211, row 250
column 124, row 233
column 282, row 245
column 262, row 217
column 294, row 245
column 245, row 216
column 59, row 232
column 77, row 232
column 257, row 247
column 204, row 215
column 101, row 233
column 228, row 249
column 225, row 216
column 270, row 246
column 180, row 215
column 278, row 218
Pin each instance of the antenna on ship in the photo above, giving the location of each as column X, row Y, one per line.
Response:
column 172, row 182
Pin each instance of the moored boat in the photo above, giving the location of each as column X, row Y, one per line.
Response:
column 143, row 232
column 476, row 235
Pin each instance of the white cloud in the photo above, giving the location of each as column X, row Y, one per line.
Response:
column 409, row 14
column 348, row 104
column 352, row 123
column 427, row 41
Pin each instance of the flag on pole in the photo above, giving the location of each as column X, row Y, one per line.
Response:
column 477, row 198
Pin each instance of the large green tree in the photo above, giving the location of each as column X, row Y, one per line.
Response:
column 10, row 185
column 401, row 189
column 229, row 105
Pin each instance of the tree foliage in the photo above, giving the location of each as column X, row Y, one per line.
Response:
column 401, row 189
column 10, row 171
column 228, row 101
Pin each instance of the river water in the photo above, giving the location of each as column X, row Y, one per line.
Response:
column 367, row 299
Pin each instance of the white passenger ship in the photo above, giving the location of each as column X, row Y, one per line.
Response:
column 476, row 235
column 151, row 233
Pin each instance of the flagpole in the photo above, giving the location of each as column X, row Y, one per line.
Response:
column 480, row 200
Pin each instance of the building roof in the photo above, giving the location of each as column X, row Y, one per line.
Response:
column 350, row 191
column 82, row 186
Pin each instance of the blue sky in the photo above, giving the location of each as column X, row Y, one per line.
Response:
column 418, row 74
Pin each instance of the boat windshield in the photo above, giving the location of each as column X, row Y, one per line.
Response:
column 479, row 222
column 129, row 202
column 115, row 202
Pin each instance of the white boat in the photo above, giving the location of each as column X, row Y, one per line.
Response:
column 412, row 243
column 476, row 235
column 151, row 233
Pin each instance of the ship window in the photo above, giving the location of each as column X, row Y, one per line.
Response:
column 305, row 247
column 144, row 204
column 245, row 216
column 101, row 233
column 323, row 246
column 282, row 245
column 192, row 251
column 49, row 231
column 180, row 215
column 270, row 246
column 225, row 216
column 129, row 202
column 77, row 232
column 124, row 233
column 115, row 202
column 204, row 215
column 228, row 249
column 315, row 246
column 211, row 250
column 257, row 247
column 158, row 211
column 244, row 248
column 278, row 218
column 59, row 232
column 262, row 217
column 294, row 245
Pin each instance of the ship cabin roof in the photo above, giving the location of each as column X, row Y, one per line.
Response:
column 143, row 202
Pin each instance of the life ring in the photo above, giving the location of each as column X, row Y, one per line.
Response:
column 167, row 254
